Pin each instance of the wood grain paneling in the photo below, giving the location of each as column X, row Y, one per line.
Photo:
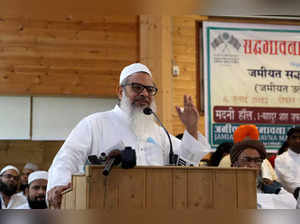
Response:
column 18, row 153
column 155, row 52
column 184, row 54
column 66, row 57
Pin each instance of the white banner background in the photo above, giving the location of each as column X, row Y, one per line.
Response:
column 246, row 70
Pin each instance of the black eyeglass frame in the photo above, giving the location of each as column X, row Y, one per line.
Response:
column 152, row 90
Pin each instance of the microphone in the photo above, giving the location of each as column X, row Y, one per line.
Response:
column 126, row 157
column 148, row 111
column 172, row 157
column 114, row 158
column 108, row 166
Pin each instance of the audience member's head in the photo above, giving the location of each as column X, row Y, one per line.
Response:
column 37, row 182
column 293, row 139
column 245, row 132
column 28, row 169
column 9, row 177
column 221, row 151
column 284, row 147
column 251, row 154
column 248, row 153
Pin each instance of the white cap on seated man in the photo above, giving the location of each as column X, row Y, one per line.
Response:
column 9, row 177
column 36, row 199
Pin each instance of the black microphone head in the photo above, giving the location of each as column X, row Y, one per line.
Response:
column 147, row 111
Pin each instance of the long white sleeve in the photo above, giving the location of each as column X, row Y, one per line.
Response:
column 287, row 167
column 71, row 157
column 190, row 148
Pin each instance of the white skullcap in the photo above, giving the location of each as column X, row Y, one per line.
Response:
column 133, row 68
column 36, row 175
column 31, row 166
column 9, row 167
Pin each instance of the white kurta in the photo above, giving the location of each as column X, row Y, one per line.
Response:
column 283, row 200
column 24, row 206
column 15, row 201
column 287, row 167
column 104, row 131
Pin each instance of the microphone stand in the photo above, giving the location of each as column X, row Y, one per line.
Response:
column 172, row 157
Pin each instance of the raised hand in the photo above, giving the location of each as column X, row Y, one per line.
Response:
column 189, row 116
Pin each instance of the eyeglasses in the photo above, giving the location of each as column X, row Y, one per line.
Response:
column 251, row 159
column 9, row 176
column 138, row 88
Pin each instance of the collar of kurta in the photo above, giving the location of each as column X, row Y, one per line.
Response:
column 293, row 154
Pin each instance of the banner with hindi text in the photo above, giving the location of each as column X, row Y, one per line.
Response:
column 252, row 75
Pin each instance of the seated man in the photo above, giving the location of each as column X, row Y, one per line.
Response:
column 37, row 182
column 270, row 194
column 249, row 132
column 9, row 177
column 28, row 169
column 287, row 165
column 126, row 125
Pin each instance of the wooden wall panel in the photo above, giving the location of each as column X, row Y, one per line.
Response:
column 18, row 153
column 66, row 57
column 155, row 52
column 184, row 54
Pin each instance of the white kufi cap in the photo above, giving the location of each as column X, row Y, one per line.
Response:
column 31, row 166
column 36, row 175
column 133, row 68
column 9, row 167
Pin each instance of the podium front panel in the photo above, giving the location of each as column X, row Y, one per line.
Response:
column 163, row 187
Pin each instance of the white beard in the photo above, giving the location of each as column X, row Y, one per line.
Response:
column 141, row 124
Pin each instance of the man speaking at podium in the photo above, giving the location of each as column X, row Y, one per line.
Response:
column 126, row 125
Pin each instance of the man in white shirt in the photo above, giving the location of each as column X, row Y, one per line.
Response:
column 37, row 182
column 270, row 194
column 9, row 177
column 126, row 125
column 287, row 165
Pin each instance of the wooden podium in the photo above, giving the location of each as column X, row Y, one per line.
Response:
column 163, row 187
